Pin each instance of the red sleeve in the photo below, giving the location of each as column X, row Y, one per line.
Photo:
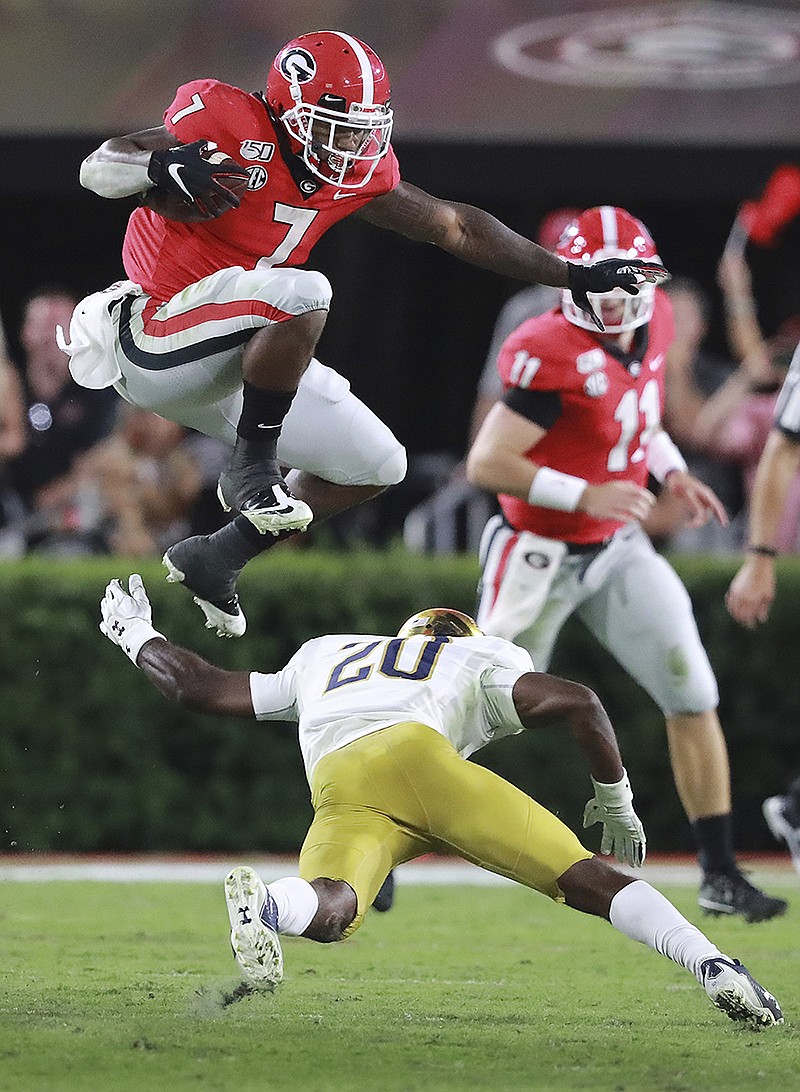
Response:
column 207, row 110
column 528, row 358
column 390, row 171
column 385, row 176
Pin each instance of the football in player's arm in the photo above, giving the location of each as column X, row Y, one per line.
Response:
column 385, row 726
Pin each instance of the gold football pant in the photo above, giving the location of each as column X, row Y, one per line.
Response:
column 404, row 791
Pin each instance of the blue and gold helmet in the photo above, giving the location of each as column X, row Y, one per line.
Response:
column 440, row 622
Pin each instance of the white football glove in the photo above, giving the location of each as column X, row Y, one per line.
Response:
column 623, row 833
column 127, row 617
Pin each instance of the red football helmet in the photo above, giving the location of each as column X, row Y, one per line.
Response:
column 332, row 93
column 608, row 232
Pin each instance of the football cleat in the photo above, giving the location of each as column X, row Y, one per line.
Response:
column 733, row 989
column 257, row 491
column 778, row 814
column 384, row 900
column 254, row 928
column 732, row 893
column 196, row 563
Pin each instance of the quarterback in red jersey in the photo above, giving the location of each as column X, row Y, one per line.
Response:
column 568, row 450
column 216, row 327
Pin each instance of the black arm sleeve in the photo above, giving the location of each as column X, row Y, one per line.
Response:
column 541, row 407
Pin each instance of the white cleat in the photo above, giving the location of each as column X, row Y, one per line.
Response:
column 254, row 924
column 272, row 510
column 734, row 990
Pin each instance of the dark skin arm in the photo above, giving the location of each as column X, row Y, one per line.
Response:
column 467, row 232
column 188, row 679
column 538, row 696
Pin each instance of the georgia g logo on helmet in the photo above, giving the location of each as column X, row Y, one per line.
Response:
column 298, row 65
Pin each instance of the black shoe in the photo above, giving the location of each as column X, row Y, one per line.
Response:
column 195, row 563
column 384, row 900
column 732, row 893
column 253, row 486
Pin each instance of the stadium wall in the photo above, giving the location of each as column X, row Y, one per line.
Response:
column 92, row 758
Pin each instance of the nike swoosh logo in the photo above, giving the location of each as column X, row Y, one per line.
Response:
column 175, row 173
column 267, row 426
column 340, row 193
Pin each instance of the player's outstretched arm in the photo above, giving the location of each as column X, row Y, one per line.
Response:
column 479, row 238
column 536, row 696
column 181, row 675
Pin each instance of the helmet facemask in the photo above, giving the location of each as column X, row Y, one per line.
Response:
column 636, row 310
column 318, row 129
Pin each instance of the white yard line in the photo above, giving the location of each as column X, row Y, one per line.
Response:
column 429, row 870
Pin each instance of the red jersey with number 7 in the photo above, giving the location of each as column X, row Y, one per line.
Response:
column 601, row 413
column 283, row 212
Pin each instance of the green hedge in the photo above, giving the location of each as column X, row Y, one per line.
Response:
column 92, row 758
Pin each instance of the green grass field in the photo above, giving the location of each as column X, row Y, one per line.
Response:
column 123, row 986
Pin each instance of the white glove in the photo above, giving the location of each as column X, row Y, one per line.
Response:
column 623, row 833
column 127, row 619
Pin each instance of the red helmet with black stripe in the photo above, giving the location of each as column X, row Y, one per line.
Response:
column 609, row 232
column 332, row 94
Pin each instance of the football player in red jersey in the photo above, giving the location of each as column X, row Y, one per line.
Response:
column 216, row 326
column 569, row 449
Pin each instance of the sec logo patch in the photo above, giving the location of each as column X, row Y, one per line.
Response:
column 256, row 177
column 596, row 384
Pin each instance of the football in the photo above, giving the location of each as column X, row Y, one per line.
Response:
column 235, row 185
column 174, row 207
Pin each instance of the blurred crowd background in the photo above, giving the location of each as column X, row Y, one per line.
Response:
column 686, row 115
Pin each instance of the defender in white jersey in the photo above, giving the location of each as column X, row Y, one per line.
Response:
column 386, row 724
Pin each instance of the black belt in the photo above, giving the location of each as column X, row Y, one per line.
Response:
column 581, row 548
column 575, row 549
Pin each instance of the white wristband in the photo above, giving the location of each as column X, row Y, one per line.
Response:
column 663, row 457
column 552, row 489
column 135, row 637
column 617, row 794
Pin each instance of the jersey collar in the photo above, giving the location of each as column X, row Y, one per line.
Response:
column 302, row 177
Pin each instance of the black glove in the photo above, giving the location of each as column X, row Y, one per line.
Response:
column 607, row 275
column 184, row 172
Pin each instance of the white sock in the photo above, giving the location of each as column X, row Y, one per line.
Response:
column 297, row 904
column 643, row 914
